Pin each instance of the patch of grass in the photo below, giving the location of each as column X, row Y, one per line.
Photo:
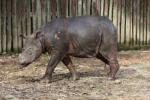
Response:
column 146, row 69
column 100, row 88
column 140, row 77
column 133, row 47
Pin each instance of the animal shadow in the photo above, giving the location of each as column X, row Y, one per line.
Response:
column 59, row 77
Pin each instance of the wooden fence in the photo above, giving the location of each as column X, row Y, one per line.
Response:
column 131, row 17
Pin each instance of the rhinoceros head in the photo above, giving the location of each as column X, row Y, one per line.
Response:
column 31, row 50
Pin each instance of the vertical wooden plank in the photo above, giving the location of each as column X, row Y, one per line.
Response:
column 94, row 8
column 146, row 16
column 144, row 19
column 98, row 6
column 102, row 7
column 39, row 13
column 114, row 12
column 106, row 8
column 43, row 12
column 79, row 7
column 134, row 16
column 132, row 22
column 14, row 27
column 0, row 27
column 53, row 8
column 4, row 25
column 34, row 14
column 18, row 17
column 84, row 11
column 111, row 9
column 67, row 8
column 58, row 8
column 142, row 22
column 138, row 23
column 118, row 20
column 123, row 22
column 62, row 8
column 8, row 26
column 46, row 1
column 73, row 7
column 88, row 4
column 28, row 21
column 128, row 22
column 23, row 19
column 148, row 22
column 48, row 11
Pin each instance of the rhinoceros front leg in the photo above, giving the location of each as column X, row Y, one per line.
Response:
column 54, row 60
column 67, row 61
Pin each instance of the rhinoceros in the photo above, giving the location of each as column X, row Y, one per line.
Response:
column 82, row 36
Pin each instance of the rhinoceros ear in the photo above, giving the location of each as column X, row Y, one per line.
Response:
column 22, row 36
column 36, row 34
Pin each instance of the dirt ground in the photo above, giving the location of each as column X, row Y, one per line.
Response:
column 133, row 79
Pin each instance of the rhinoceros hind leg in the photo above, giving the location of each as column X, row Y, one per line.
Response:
column 111, row 66
column 102, row 58
column 114, row 67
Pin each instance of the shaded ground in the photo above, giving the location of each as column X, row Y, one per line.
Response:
column 133, row 79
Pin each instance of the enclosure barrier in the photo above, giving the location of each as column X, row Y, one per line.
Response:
column 131, row 18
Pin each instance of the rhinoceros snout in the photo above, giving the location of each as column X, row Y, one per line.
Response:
column 22, row 61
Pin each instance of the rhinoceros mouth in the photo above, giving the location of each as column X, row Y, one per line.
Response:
column 24, row 64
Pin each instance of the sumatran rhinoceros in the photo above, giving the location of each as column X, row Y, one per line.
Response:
column 84, row 37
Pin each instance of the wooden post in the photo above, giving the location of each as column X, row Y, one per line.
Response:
column 111, row 9
column 14, row 27
column 128, row 24
column 73, row 7
column 41, row 10
column 118, row 20
column 0, row 27
column 28, row 21
column 84, row 4
column 4, row 25
column 138, row 23
column 106, row 7
column 8, row 26
column 123, row 22
column 140, row 19
column 79, row 7
column 148, row 25
column 144, row 23
column 102, row 7
column 134, row 24
column 53, row 8
column 48, row 10
column 88, row 7
column 39, row 13
column 34, row 14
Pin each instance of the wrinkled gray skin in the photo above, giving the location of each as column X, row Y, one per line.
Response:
column 83, row 36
